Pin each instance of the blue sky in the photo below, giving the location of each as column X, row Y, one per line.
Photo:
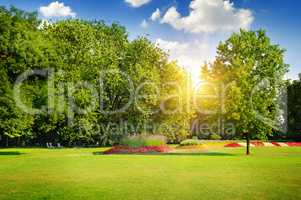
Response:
column 188, row 29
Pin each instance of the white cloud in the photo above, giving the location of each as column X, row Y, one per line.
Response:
column 56, row 9
column 137, row 3
column 144, row 24
column 171, row 45
column 191, row 55
column 155, row 15
column 209, row 16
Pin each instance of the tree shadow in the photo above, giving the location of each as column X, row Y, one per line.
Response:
column 172, row 154
column 10, row 153
column 199, row 154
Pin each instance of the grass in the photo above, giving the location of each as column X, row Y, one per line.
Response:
column 41, row 174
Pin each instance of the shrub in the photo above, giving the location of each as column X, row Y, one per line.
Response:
column 154, row 140
column 194, row 137
column 191, row 142
column 215, row 137
column 132, row 150
column 132, row 141
column 144, row 141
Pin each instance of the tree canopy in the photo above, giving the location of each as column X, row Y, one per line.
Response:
column 79, row 82
column 294, row 109
column 97, row 85
column 248, row 74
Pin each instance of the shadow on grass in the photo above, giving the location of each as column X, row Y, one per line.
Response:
column 171, row 154
column 198, row 154
column 10, row 153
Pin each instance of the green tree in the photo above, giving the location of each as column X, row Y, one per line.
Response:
column 22, row 48
column 13, row 122
column 176, row 113
column 250, row 70
column 294, row 107
column 75, row 52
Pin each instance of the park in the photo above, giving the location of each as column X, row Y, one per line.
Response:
column 196, row 99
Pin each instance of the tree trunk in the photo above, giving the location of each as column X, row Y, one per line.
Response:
column 248, row 144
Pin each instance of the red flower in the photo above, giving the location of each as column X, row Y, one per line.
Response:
column 257, row 144
column 233, row 145
column 276, row 144
column 293, row 144
column 131, row 150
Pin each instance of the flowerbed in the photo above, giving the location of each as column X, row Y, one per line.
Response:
column 258, row 144
column 276, row 144
column 233, row 145
column 294, row 144
column 143, row 140
column 137, row 150
column 266, row 144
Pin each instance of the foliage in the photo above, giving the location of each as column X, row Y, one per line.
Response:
column 21, row 48
column 215, row 137
column 191, row 142
column 144, row 141
column 294, row 109
column 76, row 52
column 248, row 76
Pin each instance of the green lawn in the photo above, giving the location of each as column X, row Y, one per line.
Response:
column 270, row 173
